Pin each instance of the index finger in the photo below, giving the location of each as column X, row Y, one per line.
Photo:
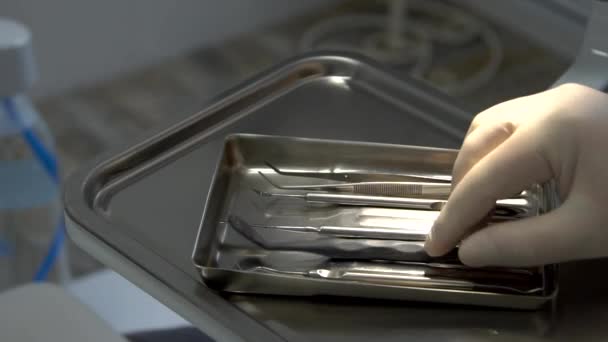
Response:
column 514, row 165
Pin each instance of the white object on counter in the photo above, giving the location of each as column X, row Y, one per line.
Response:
column 44, row 313
column 123, row 305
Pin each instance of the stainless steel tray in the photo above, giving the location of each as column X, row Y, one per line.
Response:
column 242, row 171
column 138, row 208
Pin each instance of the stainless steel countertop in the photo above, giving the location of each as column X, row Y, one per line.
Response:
column 148, row 230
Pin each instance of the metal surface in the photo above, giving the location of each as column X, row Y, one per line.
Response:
column 556, row 25
column 592, row 59
column 231, row 201
column 138, row 209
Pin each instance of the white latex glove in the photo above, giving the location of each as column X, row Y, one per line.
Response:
column 559, row 134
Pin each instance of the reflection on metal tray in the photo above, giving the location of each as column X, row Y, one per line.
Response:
column 243, row 234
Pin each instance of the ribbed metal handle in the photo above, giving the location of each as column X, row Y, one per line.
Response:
column 417, row 233
column 403, row 190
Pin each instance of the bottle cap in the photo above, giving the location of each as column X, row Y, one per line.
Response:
column 17, row 65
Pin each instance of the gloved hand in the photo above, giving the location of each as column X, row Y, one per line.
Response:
column 559, row 134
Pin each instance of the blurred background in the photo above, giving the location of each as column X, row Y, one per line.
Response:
column 110, row 71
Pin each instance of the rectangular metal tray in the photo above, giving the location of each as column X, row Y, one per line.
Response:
column 220, row 250
column 138, row 208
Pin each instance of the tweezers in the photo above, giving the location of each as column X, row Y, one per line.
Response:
column 438, row 190
column 342, row 248
column 362, row 177
column 397, row 189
